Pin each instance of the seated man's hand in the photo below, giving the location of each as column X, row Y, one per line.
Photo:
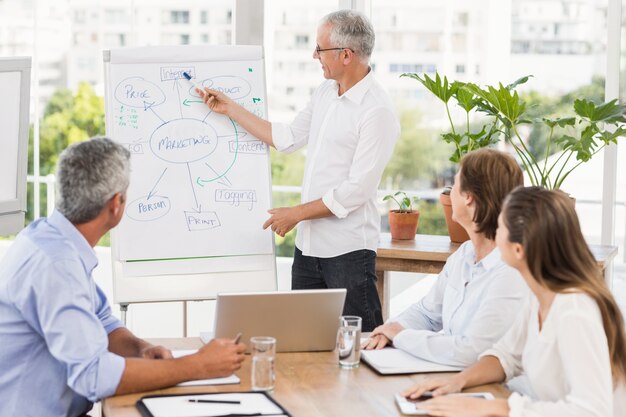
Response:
column 156, row 352
column 221, row 357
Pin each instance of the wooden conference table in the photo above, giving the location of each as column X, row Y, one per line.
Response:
column 428, row 253
column 308, row 384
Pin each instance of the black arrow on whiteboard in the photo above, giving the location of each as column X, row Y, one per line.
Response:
column 207, row 115
column 177, row 87
column 223, row 180
column 197, row 208
column 148, row 106
column 153, row 191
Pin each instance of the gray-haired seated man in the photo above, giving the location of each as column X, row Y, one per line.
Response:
column 61, row 348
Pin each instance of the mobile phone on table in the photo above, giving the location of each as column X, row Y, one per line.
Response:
column 411, row 406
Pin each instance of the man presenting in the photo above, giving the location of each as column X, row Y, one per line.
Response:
column 351, row 128
column 61, row 348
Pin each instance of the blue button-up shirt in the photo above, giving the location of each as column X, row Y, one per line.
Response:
column 54, row 325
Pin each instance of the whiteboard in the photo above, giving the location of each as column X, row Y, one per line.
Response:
column 14, row 112
column 200, row 185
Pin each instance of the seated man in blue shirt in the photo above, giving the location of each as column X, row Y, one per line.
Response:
column 61, row 348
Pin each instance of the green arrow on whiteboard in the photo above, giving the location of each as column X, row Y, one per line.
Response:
column 186, row 102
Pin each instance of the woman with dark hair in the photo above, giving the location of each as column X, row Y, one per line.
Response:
column 477, row 296
column 568, row 341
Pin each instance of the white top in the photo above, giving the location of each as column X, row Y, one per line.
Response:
column 351, row 138
column 566, row 363
column 468, row 309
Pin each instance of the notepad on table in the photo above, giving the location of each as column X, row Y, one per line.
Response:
column 390, row 361
column 233, row 379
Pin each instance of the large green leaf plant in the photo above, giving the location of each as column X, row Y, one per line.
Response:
column 582, row 136
column 464, row 140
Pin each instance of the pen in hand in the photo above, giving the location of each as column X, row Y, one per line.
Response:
column 199, row 400
column 237, row 338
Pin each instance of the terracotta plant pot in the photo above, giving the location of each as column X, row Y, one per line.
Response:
column 455, row 231
column 403, row 224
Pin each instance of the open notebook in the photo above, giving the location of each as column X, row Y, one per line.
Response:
column 390, row 361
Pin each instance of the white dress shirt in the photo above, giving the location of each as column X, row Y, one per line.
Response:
column 468, row 309
column 566, row 363
column 351, row 138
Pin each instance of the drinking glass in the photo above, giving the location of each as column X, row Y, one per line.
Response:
column 263, row 358
column 349, row 341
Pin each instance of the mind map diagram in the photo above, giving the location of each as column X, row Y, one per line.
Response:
column 200, row 151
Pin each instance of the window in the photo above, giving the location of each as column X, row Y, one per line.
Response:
column 115, row 17
column 302, row 41
column 115, row 39
column 80, row 16
column 461, row 19
column 204, row 17
column 292, row 25
column 179, row 17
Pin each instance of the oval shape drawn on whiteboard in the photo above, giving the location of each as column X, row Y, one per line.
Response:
column 139, row 93
column 234, row 87
column 182, row 141
column 148, row 208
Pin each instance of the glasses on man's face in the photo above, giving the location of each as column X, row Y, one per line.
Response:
column 318, row 49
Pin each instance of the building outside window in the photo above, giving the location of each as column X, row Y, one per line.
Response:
column 179, row 17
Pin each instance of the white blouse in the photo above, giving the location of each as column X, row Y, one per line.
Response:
column 470, row 307
column 565, row 365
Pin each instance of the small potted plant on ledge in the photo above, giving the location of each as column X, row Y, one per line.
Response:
column 403, row 221
column 464, row 139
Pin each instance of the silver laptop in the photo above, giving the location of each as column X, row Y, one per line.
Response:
column 300, row 320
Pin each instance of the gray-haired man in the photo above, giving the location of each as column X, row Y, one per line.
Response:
column 61, row 347
column 350, row 128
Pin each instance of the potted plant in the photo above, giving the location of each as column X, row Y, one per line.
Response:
column 464, row 140
column 403, row 221
column 581, row 136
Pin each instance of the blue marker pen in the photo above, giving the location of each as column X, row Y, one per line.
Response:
column 188, row 78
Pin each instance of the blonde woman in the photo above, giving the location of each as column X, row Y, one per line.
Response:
column 569, row 340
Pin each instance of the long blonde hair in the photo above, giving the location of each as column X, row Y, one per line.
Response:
column 545, row 223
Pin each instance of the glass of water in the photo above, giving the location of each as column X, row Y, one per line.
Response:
column 263, row 358
column 349, row 341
